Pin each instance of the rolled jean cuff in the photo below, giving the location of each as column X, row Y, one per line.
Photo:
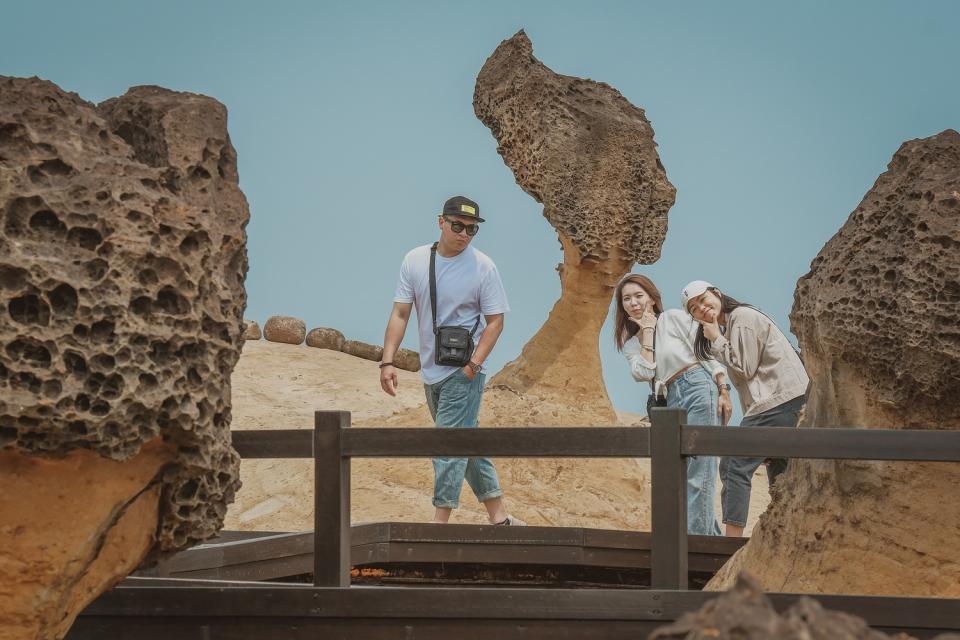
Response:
column 742, row 525
column 490, row 495
column 440, row 504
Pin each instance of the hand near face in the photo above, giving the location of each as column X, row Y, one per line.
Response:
column 710, row 329
column 647, row 319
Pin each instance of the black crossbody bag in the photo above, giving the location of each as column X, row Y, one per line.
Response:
column 454, row 345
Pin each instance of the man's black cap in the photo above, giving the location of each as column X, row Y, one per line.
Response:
column 461, row 206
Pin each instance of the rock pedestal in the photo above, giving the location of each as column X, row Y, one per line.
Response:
column 876, row 318
column 588, row 155
column 122, row 262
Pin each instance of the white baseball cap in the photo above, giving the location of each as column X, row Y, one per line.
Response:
column 692, row 290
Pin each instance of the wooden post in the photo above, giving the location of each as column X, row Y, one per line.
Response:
column 668, row 562
column 331, row 501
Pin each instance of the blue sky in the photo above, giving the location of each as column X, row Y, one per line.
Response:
column 353, row 122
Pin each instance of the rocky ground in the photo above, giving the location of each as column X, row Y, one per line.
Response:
column 279, row 386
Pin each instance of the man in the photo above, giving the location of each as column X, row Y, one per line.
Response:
column 469, row 294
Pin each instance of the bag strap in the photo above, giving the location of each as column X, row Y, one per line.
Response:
column 433, row 285
column 433, row 291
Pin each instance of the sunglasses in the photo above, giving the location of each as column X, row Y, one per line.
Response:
column 458, row 226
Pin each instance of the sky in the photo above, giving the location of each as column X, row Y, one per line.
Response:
column 353, row 122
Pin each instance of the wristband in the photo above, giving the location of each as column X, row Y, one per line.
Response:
column 386, row 364
column 725, row 386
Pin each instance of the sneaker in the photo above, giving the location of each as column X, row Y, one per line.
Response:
column 513, row 521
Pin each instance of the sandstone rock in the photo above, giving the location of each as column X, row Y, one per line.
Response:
column 122, row 261
column 363, row 350
column 745, row 613
column 876, row 318
column 580, row 148
column 324, row 338
column 251, row 330
column 407, row 360
column 285, row 329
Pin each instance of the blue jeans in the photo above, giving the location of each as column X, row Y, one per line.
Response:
column 455, row 402
column 737, row 473
column 696, row 391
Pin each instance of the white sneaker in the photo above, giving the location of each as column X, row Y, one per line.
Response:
column 513, row 521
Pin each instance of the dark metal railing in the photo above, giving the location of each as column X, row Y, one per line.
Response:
column 668, row 443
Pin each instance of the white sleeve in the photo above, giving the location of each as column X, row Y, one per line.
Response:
column 640, row 368
column 493, row 297
column 404, row 292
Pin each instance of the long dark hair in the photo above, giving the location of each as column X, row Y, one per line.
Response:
column 623, row 330
column 701, row 346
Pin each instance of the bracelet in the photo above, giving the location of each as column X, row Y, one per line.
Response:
column 650, row 349
column 386, row 364
column 648, row 328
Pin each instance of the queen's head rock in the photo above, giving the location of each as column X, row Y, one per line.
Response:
column 588, row 155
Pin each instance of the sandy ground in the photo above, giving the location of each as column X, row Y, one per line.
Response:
column 277, row 386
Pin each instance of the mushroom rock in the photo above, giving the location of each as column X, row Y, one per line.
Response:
column 122, row 266
column 588, row 155
column 285, row 329
column 876, row 317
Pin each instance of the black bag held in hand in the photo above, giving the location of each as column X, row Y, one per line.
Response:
column 454, row 344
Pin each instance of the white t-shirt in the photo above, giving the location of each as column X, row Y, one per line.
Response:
column 676, row 334
column 468, row 287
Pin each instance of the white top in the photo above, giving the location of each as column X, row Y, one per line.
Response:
column 675, row 335
column 468, row 286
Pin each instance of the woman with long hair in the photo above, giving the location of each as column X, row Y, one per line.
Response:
column 767, row 373
column 658, row 346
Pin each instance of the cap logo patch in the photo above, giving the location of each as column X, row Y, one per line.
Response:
column 468, row 209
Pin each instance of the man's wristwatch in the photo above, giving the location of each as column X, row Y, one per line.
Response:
column 476, row 368
column 723, row 386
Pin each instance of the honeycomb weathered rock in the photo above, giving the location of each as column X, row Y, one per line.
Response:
column 580, row 148
column 122, row 265
column 325, row 338
column 285, row 329
column 876, row 317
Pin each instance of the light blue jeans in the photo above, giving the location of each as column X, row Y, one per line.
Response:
column 455, row 402
column 697, row 392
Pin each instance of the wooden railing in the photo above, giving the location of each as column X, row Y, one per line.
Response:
column 668, row 443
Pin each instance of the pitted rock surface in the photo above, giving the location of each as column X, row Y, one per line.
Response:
column 251, row 330
column 876, row 317
column 285, row 329
column 581, row 149
column 122, row 263
column 882, row 297
column 325, row 338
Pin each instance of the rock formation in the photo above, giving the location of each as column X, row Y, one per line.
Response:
column 363, row 350
column 285, row 329
column 876, row 318
column 122, row 262
column 745, row 613
column 251, row 330
column 588, row 155
column 407, row 360
column 324, row 338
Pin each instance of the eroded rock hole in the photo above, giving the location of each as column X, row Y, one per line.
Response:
column 52, row 389
column 74, row 363
column 47, row 224
column 29, row 310
column 85, row 238
column 102, row 331
column 103, row 362
column 171, row 302
column 63, row 300
column 96, row 269
column 12, row 278
column 25, row 381
column 29, row 352
column 148, row 381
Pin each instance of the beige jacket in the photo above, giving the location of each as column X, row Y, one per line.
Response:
column 760, row 361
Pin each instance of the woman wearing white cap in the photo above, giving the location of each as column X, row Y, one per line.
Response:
column 641, row 325
column 767, row 373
